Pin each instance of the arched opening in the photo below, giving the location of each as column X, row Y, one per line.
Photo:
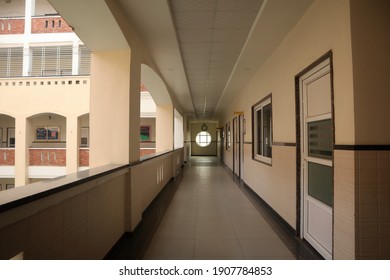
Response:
column 83, row 123
column 157, row 114
column 46, row 139
column 7, row 152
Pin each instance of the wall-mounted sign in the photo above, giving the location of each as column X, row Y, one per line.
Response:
column 51, row 133
column 145, row 133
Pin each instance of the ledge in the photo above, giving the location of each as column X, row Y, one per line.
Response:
column 22, row 195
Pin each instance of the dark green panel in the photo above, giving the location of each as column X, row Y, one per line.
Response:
column 321, row 183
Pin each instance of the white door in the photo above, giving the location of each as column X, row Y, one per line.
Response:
column 236, row 149
column 238, row 145
column 317, row 158
column 241, row 145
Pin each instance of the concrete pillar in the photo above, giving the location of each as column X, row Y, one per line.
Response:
column 109, row 107
column 135, row 109
column 29, row 12
column 75, row 58
column 72, row 144
column 23, row 135
column 164, row 128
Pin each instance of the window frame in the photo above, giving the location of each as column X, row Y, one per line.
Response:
column 203, row 139
column 259, row 106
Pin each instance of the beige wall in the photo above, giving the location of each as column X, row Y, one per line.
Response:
column 25, row 99
column 324, row 27
column 370, row 23
column 164, row 128
column 314, row 35
column 63, row 96
column 80, row 223
column 210, row 150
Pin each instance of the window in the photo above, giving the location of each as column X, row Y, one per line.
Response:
column 85, row 60
column 84, row 142
column 262, row 130
column 11, row 137
column 203, row 139
column 52, row 61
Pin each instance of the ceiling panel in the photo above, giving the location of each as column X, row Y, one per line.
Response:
column 237, row 20
column 191, row 5
column 239, row 5
column 211, row 34
column 194, row 20
column 229, row 35
column 195, row 35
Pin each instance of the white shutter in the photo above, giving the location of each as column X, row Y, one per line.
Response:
column 37, row 58
column 16, row 62
column 3, row 62
column 85, row 61
column 65, row 60
column 50, row 66
column 11, row 62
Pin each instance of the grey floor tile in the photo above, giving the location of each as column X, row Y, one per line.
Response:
column 183, row 231
column 207, row 249
column 171, row 248
column 265, row 248
column 255, row 232
column 212, row 232
column 210, row 218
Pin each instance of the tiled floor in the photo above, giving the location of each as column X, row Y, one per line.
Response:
column 211, row 218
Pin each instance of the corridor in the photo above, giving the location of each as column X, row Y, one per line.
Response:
column 211, row 216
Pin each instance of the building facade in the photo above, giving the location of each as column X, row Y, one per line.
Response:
column 44, row 92
column 305, row 131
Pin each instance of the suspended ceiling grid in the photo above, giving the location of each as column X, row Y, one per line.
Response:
column 211, row 34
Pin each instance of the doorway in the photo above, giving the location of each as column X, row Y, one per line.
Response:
column 316, row 129
column 238, row 145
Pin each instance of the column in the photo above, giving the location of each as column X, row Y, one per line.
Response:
column 72, row 144
column 23, row 132
column 109, row 107
column 135, row 109
column 75, row 58
column 164, row 128
column 29, row 12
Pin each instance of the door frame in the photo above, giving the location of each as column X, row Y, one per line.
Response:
column 238, row 145
column 298, row 124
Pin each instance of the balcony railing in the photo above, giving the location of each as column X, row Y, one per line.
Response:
column 47, row 157
column 82, row 215
column 7, row 156
column 84, row 157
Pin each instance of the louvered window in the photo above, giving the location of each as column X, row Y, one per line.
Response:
column 51, row 61
column 11, row 62
column 320, row 139
column 85, row 61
